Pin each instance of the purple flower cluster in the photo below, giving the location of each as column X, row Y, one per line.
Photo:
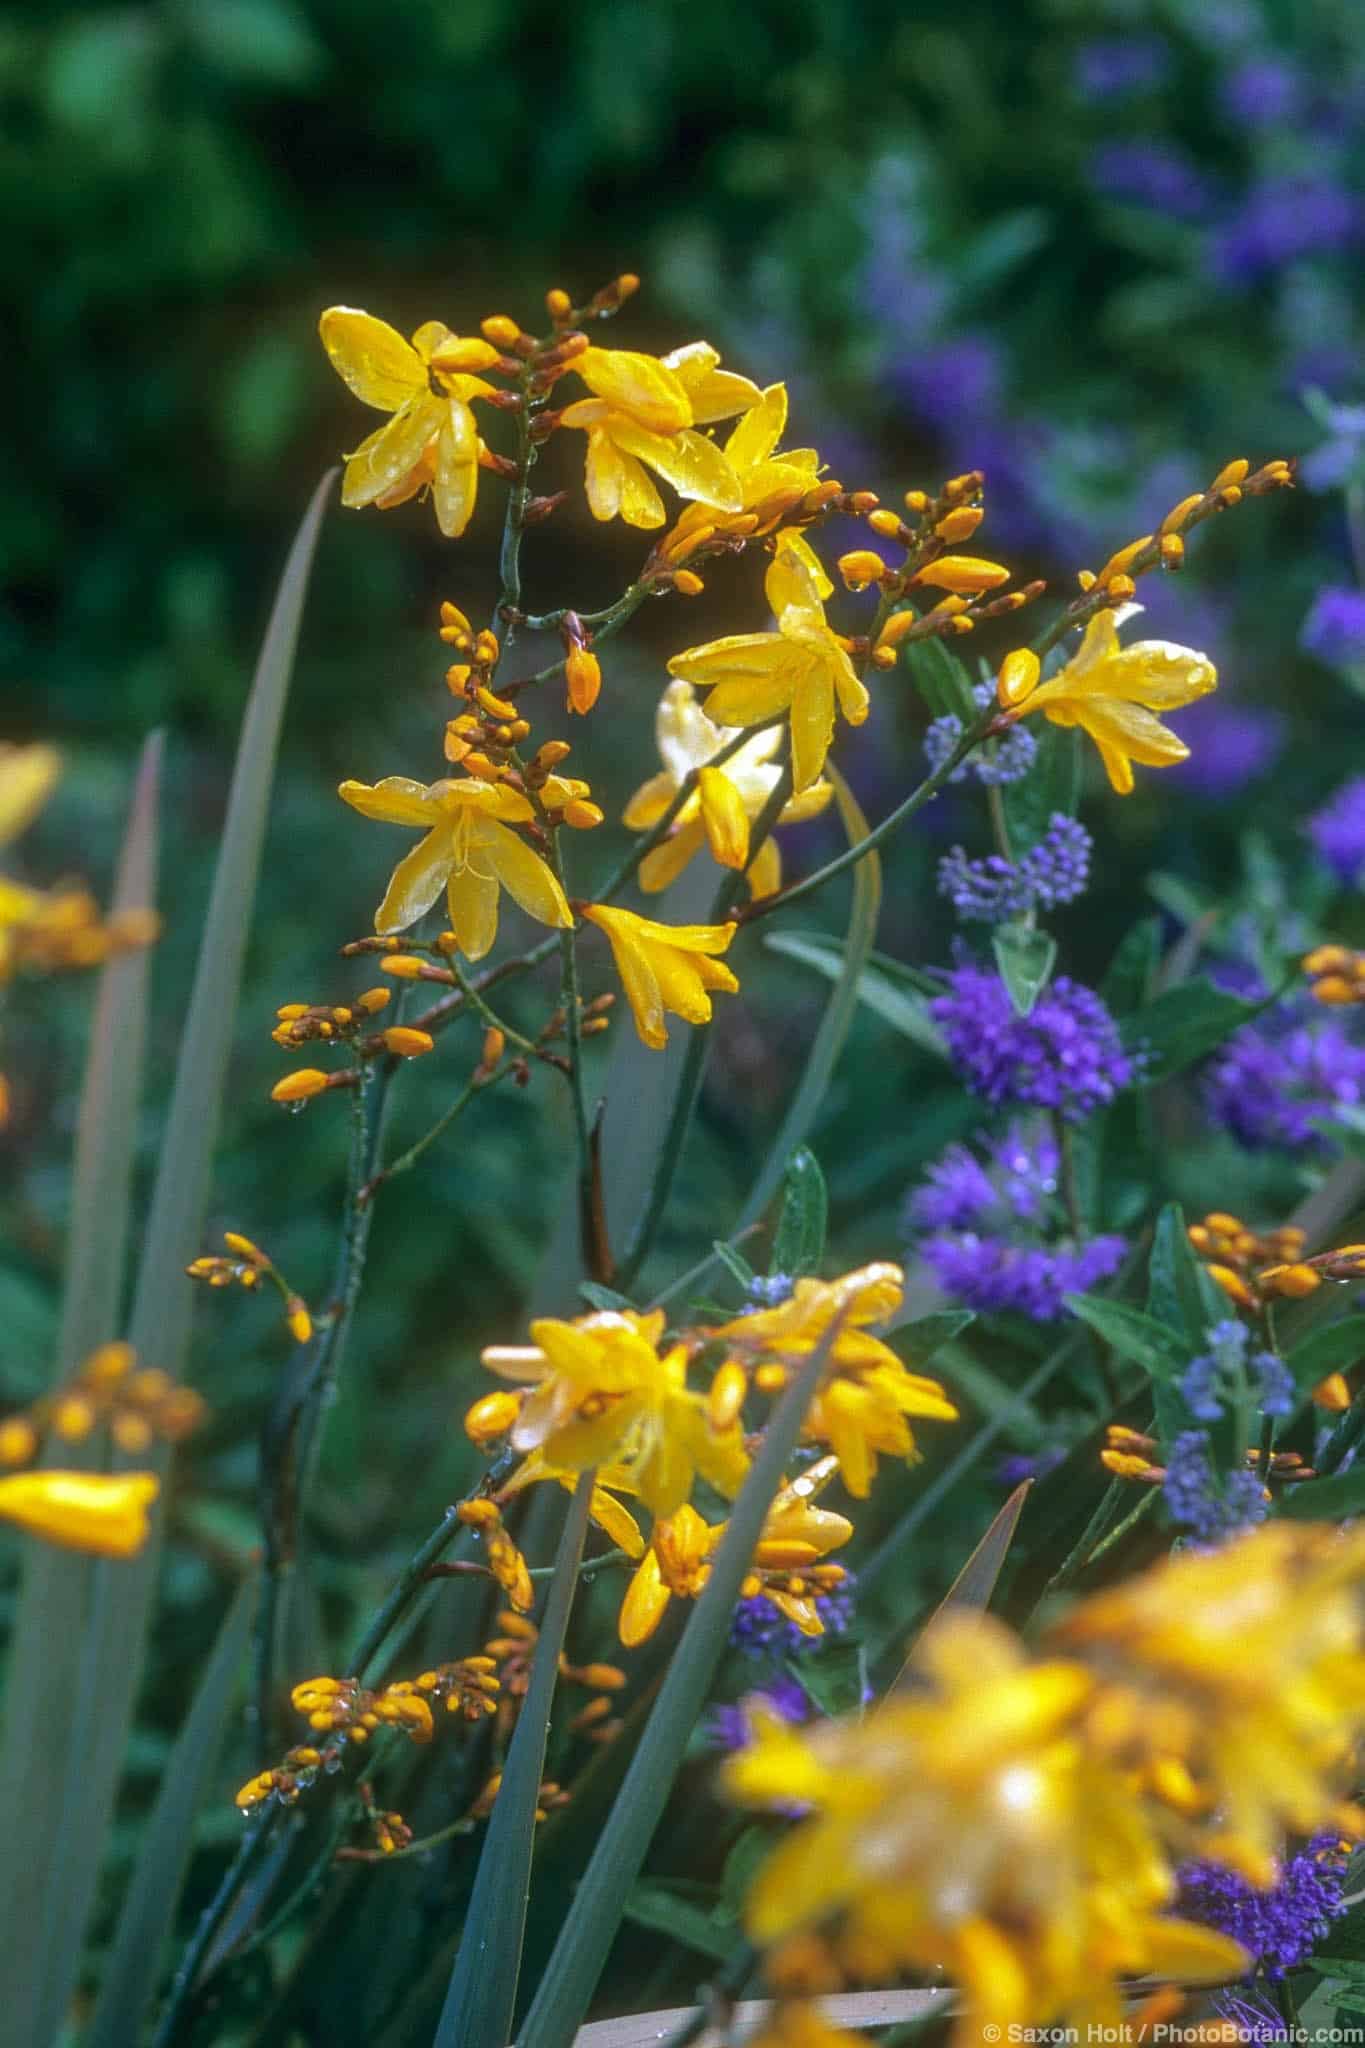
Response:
column 1054, row 871
column 1278, row 1080
column 1006, row 760
column 1335, row 628
column 1338, row 833
column 988, row 1230
column 1261, row 92
column 1018, row 1466
column 1209, row 1506
column 731, row 1727
column 770, row 1292
column 1224, row 1375
column 1113, row 67
column 1154, row 175
column 1230, row 744
column 1280, row 221
column 1281, row 1927
column 761, row 1630
column 1065, row 1055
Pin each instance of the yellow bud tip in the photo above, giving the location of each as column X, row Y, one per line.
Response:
column 582, row 816
column 1334, row 990
column 1332, row 1394
column 886, row 523
column 374, row 999
column 406, row 966
column 1018, row 678
column 1294, row 1282
column 244, row 1248
column 1233, row 1285
column 1232, row 474
column 558, row 304
column 965, row 574
column 299, row 1321
column 687, row 584
column 299, row 1086
column 500, row 330
column 960, row 524
column 406, row 1043
column 860, row 567
column 583, row 674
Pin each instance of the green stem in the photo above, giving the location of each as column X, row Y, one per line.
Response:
column 1150, row 1497
column 1080, row 1552
column 249, row 1852
column 407, row 1160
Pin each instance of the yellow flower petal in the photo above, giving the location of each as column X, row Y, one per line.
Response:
column 796, row 577
column 372, row 358
column 636, row 384
column 665, row 862
column 693, row 465
column 735, row 654
column 397, row 800
column 812, row 719
column 765, row 870
column 385, row 459
column 472, row 900
column 759, row 431
column 27, row 775
column 649, row 802
column 641, row 505
column 102, row 1513
column 522, row 873
column 456, row 482
column 645, row 1604
column 724, row 817
column 604, row 474
column 417, row 881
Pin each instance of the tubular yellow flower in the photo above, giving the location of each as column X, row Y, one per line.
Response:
column 801, row 669
column 1114, row 693
column 678, row 1561
column 431, row 438
column 468, row 850
column 861, row 1408
column 610, row 1515
column 604, row 1394
column 687, row 742
column 644, row 413
column 772, row 482
column 1245, row 1668
column 962, row 1827
column 665, row 967
column 27, row 775
column 102, row 1513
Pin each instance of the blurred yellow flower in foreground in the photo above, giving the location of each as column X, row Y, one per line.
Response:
column 800, row 670
column 719, row 811
column 605, row 1395
column 103, row 1513
column 431, row 438
column 665, row 967
column 469, row 851
column 963, row 1827
column 27, row 776
column 1113, row 693
column 643, row 415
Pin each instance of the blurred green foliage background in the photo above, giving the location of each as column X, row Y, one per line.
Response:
column 1095, row 249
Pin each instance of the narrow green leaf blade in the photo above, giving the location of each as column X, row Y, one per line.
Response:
column 1160, row 1351
column 1182, row 1024
column 799, row 1240
column 904, row 1008
column 114, row 1641
column 975, row 1584
column 1325, row 1500
column 1025, row 955
column 941, row 679
column 834, row 1025
column 130, row 1974
column 1336, row 1347
column 55, row 1591
column 1052, row 784
column 919, row 1339
column 575, row 1965
column 1180, row 1293
column 483, row 1986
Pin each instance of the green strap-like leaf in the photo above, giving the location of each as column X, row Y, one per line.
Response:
column 483, row 1987
column 799, row 1240
column 571, row 1975
column 1160, row 1351
column 834, row 1025
column 1182, row 1024
column 103, row 1680
column 893, row 998
column 1336, row 1347
column 55, row 1590
column 975, row 1584
column 145, row 1923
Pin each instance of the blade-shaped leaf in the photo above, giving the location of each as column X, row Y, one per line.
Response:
column 1182, row 1024
column 55, row 1591
column 1052, row 784
column 576, row 1963
column 834, row 1025
column 1158, row 1350
column 919, row 1338
column 1325, row 1500
column 483, row 1986
column 1336, row 1347
column 903, row 1007
column 149, row 1908
column 111, row 1650
column 1025, row 955
column 941, row 679
column 1180, row 1293
column 975, row 1584
column 799, row 1240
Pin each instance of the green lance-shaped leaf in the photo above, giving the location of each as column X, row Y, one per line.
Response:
column 130, row 1975
column 483, row 1987
column 108, row 1664
column 571, row 1975
column 1160, row 1351
column 884, row 987
column 975, row 1584
column 1052, row 784
column 1181, row 1025
column 1325, row 1500
column 1336, row 1347
column 799, row 1240
column 834, row 1025
column 1025, row 955
column 941, row 680
column 55, row 1590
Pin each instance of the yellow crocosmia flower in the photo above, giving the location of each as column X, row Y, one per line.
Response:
column 27, row 775
column 468, row 850
column 677, row 1562
column 712, row 814
column 1114, row 694
column 1244, row 1669
column 99, row 1512
column 605, row 1395
column 611, row 1516
column 771, row 482
column 643, row 416
column 861, row 1407
column 665, row 967
column 963, row 1828
column 800, row 670
column 426, row 384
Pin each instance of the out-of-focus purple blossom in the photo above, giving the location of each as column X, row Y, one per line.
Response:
column 1065, row 1055
column 1230, row 745
column 1252, row 2014
column 772, row 1290
column 1338, row 833
column 1279, row 1079
column 1155, row 175
column 952, row 383
column 1009, row 763
column 1280, row 1927
column 1224, row 1375
column 1335, row 628
column 1342, row 454
column 1210, row 1506
column 760, row 1629
column 1280, row 221
column 992, row 1275
column 1262, row 92
column 1053, row 872
column 1114, row 67
column 1022, row 1465
column 732, row 1727
column 1014, row 1184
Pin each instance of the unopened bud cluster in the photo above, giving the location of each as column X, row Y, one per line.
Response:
column 137, row 1404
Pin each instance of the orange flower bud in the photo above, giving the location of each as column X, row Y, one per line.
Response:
column 687, row 583
column 726, row 1397
column 479, row 1514
column 289, row 1013
column 966, row 574
column 494, row 1046
column 1122, row 558
column 558, row 304
column 1231, row 474
column 1172, row 551
column 961, row 523
column 299, row 1321
column 1018, row 678
column 1334, row 990
column 1178, row 514
column 405, row 966
column 583, row 673
column 18, row 1440
column 496, row 707
column 502, row 332
column 453, row 621
column 1294, row 1282
column 860, row 567
column 299, row 1086
column 887, row 524
column 552, row 753
column 407, row 1043
column 492, row 1416
column 1119, row 589
column 1233, row 1285
column 917, row 502
column 896, row 628
column 1332, row 1394
column 374, row 999
column 582, row 816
